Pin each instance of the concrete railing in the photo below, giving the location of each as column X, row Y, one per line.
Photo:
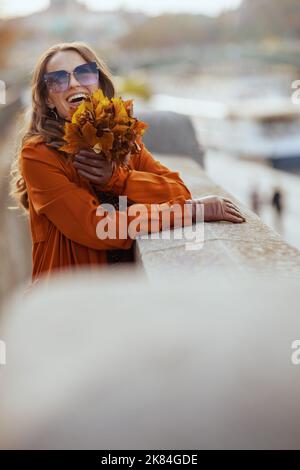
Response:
column 239, row 248
column 15, row 242
column 8, row 112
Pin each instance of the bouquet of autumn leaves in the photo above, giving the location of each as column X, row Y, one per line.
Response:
column 106, row 126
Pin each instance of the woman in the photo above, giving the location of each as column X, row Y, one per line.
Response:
column 60, row 193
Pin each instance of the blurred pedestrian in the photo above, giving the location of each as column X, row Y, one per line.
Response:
column 277, row 203
column 255, row 200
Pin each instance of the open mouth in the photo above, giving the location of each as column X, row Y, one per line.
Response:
column 76, row 99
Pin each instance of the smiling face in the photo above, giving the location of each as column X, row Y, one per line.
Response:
column 68, row 61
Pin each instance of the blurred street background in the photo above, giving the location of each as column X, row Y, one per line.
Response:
column 231, row 65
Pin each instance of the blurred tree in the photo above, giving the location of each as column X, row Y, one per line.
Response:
column 254, row 20
column 168, row 30
column 258, row 19
column 134, row 86
column 9, row 34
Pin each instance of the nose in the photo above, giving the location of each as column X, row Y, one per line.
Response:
column 73, row 81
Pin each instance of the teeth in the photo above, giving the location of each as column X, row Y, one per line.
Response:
column 77, row 95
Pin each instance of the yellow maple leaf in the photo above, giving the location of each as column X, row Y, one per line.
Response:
column 120, row 110
column 98, row 97
column 85, row 106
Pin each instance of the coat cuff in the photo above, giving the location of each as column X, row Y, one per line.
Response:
column 117, row 180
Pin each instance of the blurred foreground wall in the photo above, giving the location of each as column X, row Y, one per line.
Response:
column 117, row 362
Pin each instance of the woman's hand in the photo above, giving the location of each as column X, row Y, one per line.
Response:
column 217, row 208
column 94, row 167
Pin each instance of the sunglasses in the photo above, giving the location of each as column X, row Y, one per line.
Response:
column 59, row 81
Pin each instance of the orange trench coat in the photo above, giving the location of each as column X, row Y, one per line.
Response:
column 63, row 205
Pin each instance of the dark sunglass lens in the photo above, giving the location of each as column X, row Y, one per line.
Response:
column 57, row 81
column 87, row 74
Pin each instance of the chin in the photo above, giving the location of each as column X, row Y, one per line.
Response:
column 65, row 114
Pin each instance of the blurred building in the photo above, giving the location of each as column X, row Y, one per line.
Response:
column 68, row 20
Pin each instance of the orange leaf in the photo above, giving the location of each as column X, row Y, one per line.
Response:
column 107, row 141
column 129, row 107
column 89, row 134
column 120, row 128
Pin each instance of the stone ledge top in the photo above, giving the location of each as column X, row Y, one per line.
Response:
column 250, row 246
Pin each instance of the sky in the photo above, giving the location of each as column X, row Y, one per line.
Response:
column 10, row 8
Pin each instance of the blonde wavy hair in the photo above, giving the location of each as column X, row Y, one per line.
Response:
column 41, row 124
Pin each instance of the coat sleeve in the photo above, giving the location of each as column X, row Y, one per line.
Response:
column 149, row 182
column 73, row 209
